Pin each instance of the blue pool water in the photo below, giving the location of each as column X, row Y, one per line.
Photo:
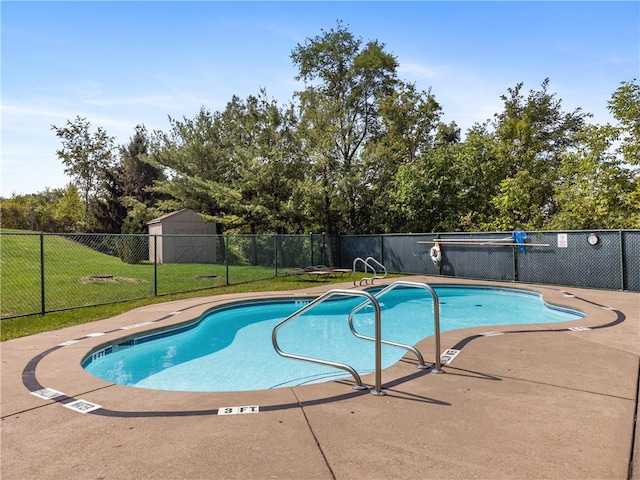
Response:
column 230, row 348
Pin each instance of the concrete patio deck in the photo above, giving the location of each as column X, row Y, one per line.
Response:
column 538, row 402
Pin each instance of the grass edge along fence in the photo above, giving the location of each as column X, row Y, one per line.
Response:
column 43, row 272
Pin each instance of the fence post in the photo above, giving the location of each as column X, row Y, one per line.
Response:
column 439, row 266
column 515, row 263
column 42, row 295
column 155, row 265
column 226, row 256
column 275, row 252
column 324, row 247
column 622, row 262
column 311, row 246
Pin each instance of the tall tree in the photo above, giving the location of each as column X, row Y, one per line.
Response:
column 138, row 176
column 106, row 207
column 599, row 183
column 625, row 107
column 239, row 166
column 267, row 160
column 85, row 155
column 479, row 174
column 424, row 193
column 531, row 133
column 343, row 79
column 196, row 163
column 409, row 121
column 595, row 186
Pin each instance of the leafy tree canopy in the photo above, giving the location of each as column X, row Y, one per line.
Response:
column 357, row 150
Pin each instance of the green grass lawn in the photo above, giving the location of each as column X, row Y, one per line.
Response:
column 73, row 297
column 70, row 269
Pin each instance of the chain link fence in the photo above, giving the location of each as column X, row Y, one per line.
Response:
column 611, row 261
column 42, row 273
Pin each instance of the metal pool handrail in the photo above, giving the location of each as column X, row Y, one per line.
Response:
column 368, row 266
column 379, row 264
column 378, row 347
column 436, row 313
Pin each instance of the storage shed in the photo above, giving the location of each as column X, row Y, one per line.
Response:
column 182, row 237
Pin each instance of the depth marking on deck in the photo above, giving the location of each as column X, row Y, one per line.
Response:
column 448, row 356
column 135, row 325
column 579, row 329
column 491, row 334
column 239, row 410
column 68, row 342
column 47, row 393
column 176, row 313
column 97, row 334
column 82, row 406
column 129, row 327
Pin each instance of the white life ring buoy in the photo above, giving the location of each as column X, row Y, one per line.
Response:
column 435, row 254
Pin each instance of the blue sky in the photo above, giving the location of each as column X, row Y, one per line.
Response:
column 122, row 63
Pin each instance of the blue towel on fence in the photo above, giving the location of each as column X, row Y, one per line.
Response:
column 519, row 236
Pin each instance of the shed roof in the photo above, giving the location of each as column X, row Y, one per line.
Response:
column 172, row 214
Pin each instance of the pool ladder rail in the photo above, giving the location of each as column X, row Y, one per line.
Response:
column 373, row 300
column 367, row 262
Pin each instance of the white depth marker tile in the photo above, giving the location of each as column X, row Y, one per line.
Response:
column 491, row 334
column 448, row 356
column 239, row 410
column 129, row 327
column 82, row 406
column 47, row 393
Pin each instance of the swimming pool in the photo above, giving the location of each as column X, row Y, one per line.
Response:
column 230, row 349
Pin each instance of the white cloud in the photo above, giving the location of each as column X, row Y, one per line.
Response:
column 465, row 94
column 156, row 101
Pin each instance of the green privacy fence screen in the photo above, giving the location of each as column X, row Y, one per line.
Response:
column 41, row 273
column 566, row 258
